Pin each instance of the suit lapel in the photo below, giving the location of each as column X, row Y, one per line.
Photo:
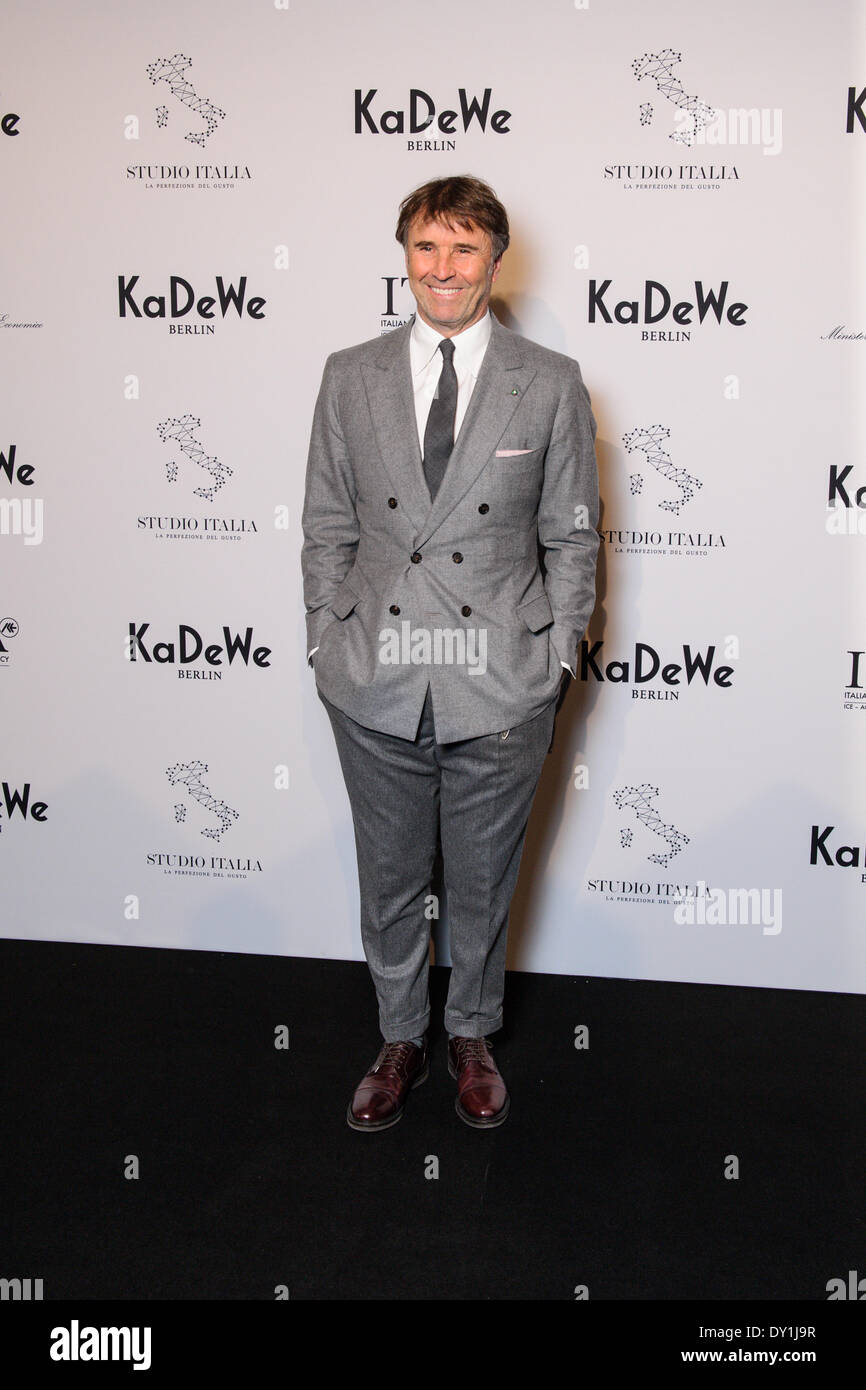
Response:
column 388, row 383
column 498, row 392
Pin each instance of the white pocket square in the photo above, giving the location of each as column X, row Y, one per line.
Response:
column 512, row 453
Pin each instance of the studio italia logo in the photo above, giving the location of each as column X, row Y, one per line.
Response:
column 183, row 117
column 204, row 814
column 648, row 843
column 178, row 300
column 682, row 136
column 190, row 471
column 422, row 115
column 664, row 496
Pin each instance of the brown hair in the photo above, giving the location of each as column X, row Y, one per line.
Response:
column 461, row 199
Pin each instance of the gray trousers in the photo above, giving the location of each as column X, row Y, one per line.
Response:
column 476, row 795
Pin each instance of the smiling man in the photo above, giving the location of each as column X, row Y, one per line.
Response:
column 451, row 273
column 445, row 460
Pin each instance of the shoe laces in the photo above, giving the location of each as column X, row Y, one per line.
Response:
column 395, row 1056
column 472, row 1049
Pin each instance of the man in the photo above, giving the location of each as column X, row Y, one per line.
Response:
column 444, row 458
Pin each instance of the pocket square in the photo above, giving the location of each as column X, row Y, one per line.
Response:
column 512, row 453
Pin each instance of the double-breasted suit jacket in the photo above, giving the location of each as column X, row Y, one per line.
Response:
column 501, row 565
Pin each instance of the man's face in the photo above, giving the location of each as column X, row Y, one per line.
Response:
column 451, row 272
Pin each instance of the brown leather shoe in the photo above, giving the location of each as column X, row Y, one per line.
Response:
column 482, row 1099
column 380, row 1099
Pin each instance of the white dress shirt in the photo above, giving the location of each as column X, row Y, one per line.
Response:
column 425, row 364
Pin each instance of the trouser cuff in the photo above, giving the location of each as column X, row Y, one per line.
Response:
column 472, row 1028
column 404, row 1032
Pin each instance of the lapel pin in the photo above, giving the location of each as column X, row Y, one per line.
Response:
column 514, row 391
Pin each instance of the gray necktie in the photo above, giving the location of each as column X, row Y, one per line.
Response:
column 439, row 434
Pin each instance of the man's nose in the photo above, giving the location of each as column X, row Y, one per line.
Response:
column 443, row 269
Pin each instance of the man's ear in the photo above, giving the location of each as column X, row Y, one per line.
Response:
column 496, row 267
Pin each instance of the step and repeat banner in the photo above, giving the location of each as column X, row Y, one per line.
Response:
column 199, row 201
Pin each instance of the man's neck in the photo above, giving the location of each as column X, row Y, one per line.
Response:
column 442, row 332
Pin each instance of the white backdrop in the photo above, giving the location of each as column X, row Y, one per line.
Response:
column 152, row 476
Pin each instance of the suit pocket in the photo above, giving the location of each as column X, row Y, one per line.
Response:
column 504, row 460
column 345, row 599
column 536, row 613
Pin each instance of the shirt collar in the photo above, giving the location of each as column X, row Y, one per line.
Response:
column 469, row 346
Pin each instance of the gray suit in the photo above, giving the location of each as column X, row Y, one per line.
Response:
column 435, row 748
column 367, row 512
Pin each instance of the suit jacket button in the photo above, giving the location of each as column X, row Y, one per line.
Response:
column 395, row 609
column 415, row 558
column 457, row 558
column 484, row 509
column 466, row 610
column 392, row 502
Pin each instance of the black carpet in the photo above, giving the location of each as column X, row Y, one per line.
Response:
column 609, row 1172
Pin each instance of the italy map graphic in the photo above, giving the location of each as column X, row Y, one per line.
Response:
column 650, row 442
column 640, row 799
column 172, row 71
column 659, row 68
column 180, row 431
column 189, row 775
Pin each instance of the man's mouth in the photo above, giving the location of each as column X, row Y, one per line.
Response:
column 443, row 293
